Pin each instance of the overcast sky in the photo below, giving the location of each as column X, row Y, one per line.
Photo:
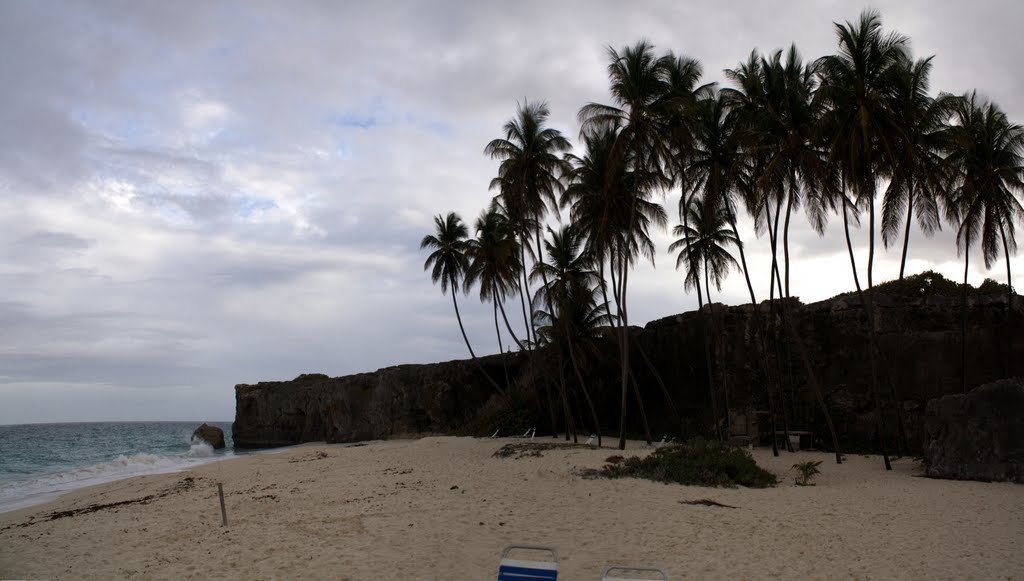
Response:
column 198, row 195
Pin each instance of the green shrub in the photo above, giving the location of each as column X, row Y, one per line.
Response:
column 696, row 463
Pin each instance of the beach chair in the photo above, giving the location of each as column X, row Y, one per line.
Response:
column 647, row 572
column 527, row 570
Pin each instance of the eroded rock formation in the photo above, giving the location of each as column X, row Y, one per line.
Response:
column 212, row 435
column 978, row 435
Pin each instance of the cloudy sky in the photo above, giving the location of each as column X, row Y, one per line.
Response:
column 198, row 195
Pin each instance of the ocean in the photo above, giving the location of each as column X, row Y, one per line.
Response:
column 39, row 462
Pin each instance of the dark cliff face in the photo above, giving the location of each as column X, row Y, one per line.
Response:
column 403, row 399
column 919, row 340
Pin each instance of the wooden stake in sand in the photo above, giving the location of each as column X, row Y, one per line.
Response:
column 223, row 511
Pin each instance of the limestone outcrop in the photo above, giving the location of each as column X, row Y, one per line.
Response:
column 918, row 337
column 978, row 435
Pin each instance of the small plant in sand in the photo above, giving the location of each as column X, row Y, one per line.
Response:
column 806, row 471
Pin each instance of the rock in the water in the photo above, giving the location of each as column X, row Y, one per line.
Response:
column 212, row 435
column 977, row 436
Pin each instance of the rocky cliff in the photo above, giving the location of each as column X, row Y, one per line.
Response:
column 919, row 340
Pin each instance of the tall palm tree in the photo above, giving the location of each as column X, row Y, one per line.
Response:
column 985, row 159
column 447, row 261
column 639, row 89
column 702, row 247
column 916, row 182
column 863, row 133
column 788, row 123
column 528, row 180
column 567, row 300
column 600, row 201
column 861, row 126
column 494, row 264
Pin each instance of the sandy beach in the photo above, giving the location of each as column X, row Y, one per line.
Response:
column 443, row 508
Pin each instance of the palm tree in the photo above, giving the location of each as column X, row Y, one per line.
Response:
column 985, row 160
column 528, row 179
column 567, row 300
column 788, row 123
column 863, row 134
column 448, row 259
column 639, row 88
column 702, row 246
column 494, row 264
column 859, row 122
column 766, row 143
column 600, row 203
column 917, row 180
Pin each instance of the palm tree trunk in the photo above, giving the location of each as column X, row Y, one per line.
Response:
column 527, row 320
column 871, row 236
column 497, row 331
column 774, row 276
column 906, row 230
column 625, row 353
column 849, row 243
column 712, row 333
column 640, row 406
column 570, row 426
column 509, row 327
column 759, row 325
column 472, row 355
column 461, row 328
column 785, row 235
column 657, row 377
column 1009, row 279
column 963, row 320
column 868, row 305
column 586, row 394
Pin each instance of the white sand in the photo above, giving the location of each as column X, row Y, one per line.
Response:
column 387, row 510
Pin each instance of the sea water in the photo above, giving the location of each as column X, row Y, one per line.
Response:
column 38, row 462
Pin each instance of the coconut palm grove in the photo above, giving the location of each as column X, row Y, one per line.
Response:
column 855, row 138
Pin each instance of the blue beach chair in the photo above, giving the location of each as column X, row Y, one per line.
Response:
column 526, row 570
column 648, row 573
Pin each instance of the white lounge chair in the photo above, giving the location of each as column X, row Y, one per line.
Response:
column 528, row 570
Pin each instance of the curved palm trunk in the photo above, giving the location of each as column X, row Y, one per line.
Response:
column 906, row 230
column 624, row 347
column 1009, row 297
column 785, row 234
column 640, row 405
column 461, row 328
column 472, row 355
column 531, row 331
column 871, row 237
column 1009, row 279
column 867, row 302
column 501, row 348
column 707, row 362
column 570, row 425
column 963, row 320
column 780, row 352
column 509, row 327
column 849, row 243
column 712, row 332
column 558, row 351
column 759, row 324
column 586, row 394
column 657, row 377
